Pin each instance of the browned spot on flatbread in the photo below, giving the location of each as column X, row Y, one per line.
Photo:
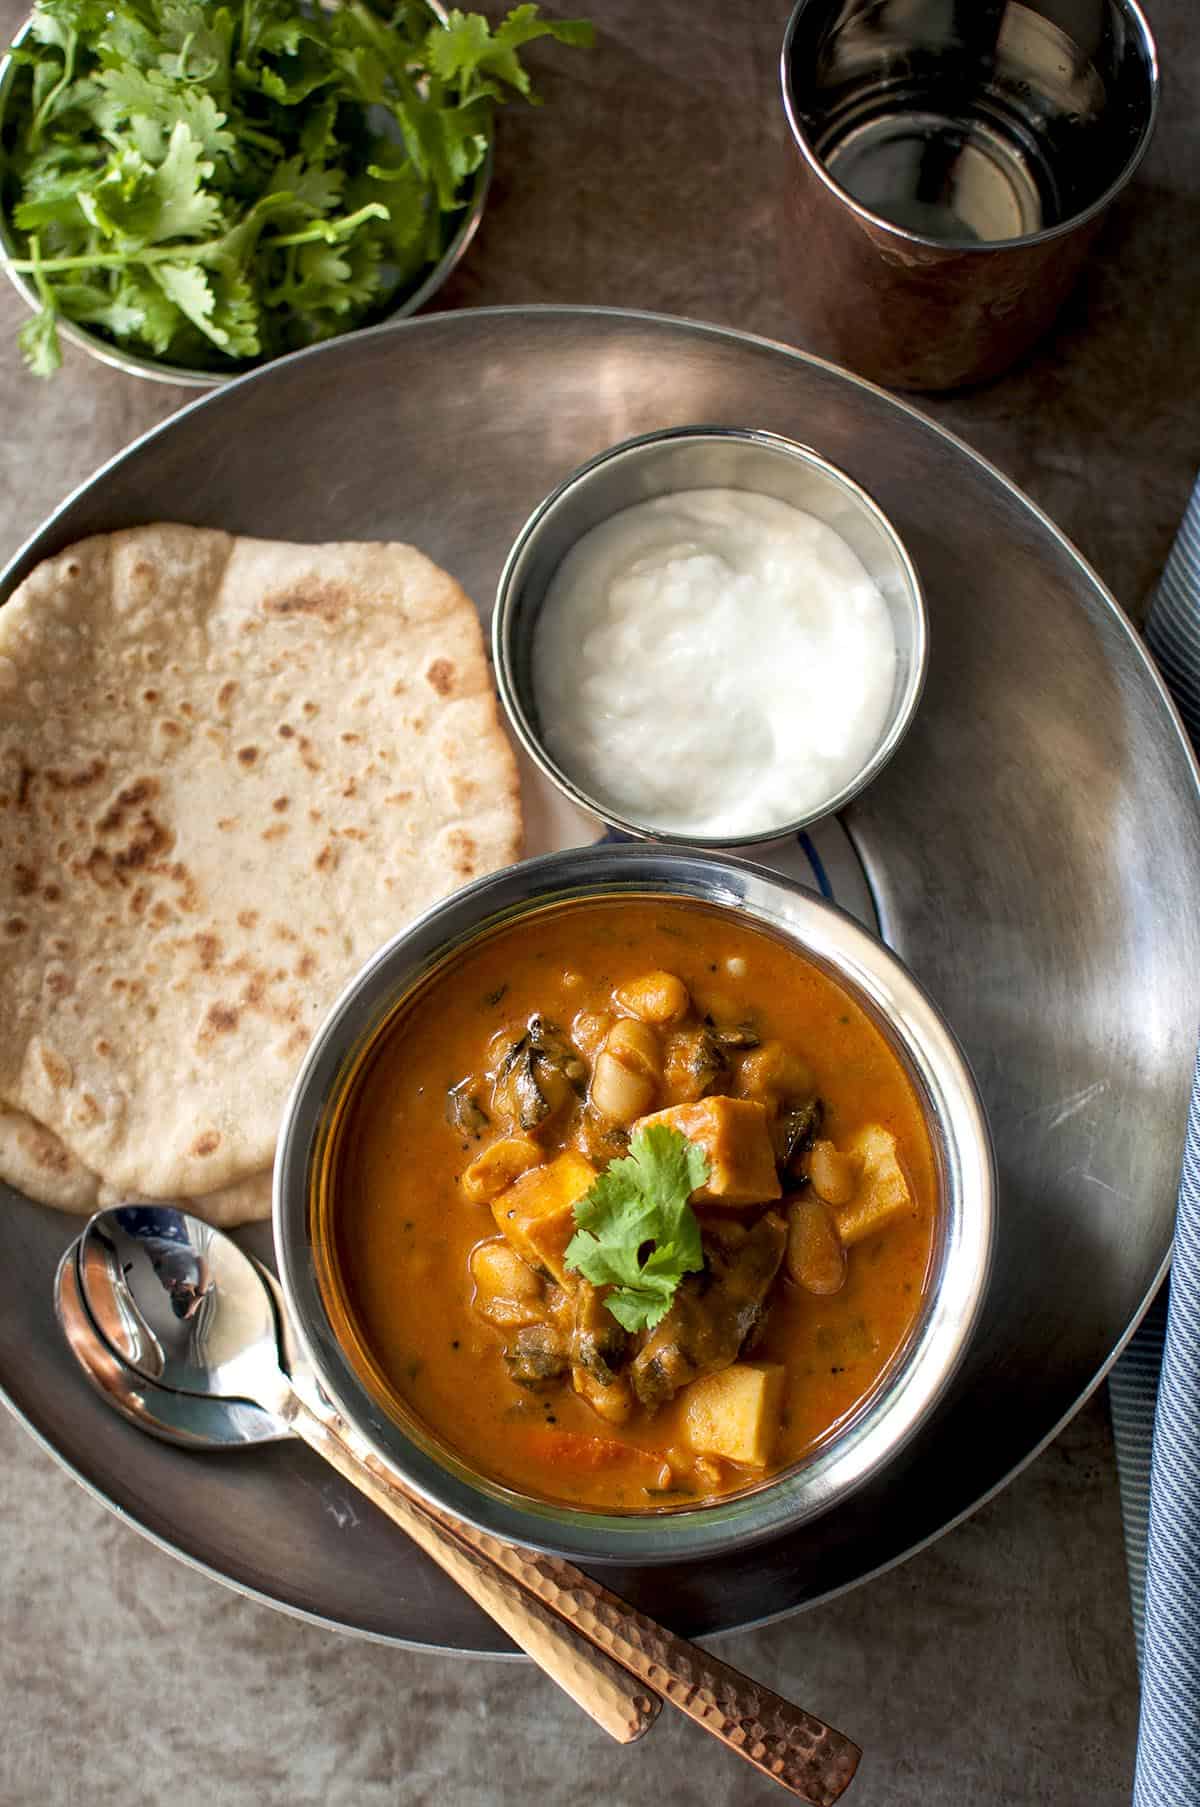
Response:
column 276, row 831
column 226, row 693
column 208, row 950
column 399, row 687
column 350, row 788
column 51, row 894
column 86, row 1111
column 151, row 695
column 285, row 731
column 84, row 775
column 143, row 580
column 399, row 797
column 206, row 1143
column 15, row 926
column 320, row 598
column 440, row 677
column 247, row 919
column 327, row 859
column 103, row 1048
column 49, row 1155
column 138, row 900
column 247, row 756
column 219, row 1019
column 311, row 708
column 58, row 981
column 308, row 758
column 56, row 1070
column 225, row 823
column 351, row 739
column 306, row 965
column 463, row 851
column 24, row 880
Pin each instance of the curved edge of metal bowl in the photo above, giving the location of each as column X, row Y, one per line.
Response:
column 181, row 375
column 508, row 591
column 959, row 1130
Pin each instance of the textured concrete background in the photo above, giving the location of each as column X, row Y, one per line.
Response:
column 995, row 1668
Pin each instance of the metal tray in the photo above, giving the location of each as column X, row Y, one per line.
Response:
column 1033, row 852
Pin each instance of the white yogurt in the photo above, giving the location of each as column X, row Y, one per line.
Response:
column 713, row 663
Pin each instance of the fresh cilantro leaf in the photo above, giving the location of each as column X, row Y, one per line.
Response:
column 466, row 47
column 38, row 340
column 637, row 1232
column 311, row 190
column 151, row 103
column 157, row 315
column 137, row 201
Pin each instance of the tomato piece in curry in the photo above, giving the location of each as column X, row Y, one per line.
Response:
column 487, row 1108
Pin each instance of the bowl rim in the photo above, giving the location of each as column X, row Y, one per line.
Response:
column 955, row 1117
column 156, row 370
column 508, row 593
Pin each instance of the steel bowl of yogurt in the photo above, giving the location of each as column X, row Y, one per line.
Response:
column 709, row 636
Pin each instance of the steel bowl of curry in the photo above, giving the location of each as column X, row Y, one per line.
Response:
column 634, row 1204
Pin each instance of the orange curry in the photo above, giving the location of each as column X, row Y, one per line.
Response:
column 488, row 1109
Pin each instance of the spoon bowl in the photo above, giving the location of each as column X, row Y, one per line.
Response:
column 181, row 1304
column 188, row 1420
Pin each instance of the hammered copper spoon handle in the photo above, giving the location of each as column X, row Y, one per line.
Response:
column 563, row 1649
column 794, row 1748
column 780, row 1740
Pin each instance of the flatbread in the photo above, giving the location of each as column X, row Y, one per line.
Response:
column 229, row 770
column 34, row 1161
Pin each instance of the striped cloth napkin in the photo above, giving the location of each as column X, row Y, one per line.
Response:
column 1168, row 1756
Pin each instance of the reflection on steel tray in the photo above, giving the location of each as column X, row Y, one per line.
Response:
column 1030, row 852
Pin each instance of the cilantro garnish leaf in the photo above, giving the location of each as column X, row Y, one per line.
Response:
column 637, row 1232
column 217, row 182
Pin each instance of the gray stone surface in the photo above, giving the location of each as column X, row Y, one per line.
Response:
column 996, row 1667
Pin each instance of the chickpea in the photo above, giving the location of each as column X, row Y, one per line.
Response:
column 618, row 1092
column 507, row 1291
column 588, row 1031
column 774, row 1071
column 636, row 1046
column 658, row 998
column 494, row 1171
column 834, row 1176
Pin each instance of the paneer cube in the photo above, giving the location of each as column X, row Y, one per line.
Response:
column 883, row 1193
column 734, row 1134
column 537, row 1213
column 735, row 1412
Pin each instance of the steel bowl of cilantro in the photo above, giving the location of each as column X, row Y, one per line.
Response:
column 189, row 190
column 634, row 1204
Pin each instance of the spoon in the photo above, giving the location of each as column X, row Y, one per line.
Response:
column 112, row 1319
column 193, row 1312
column 185, row 1419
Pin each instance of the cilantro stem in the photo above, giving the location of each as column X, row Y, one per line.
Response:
column 67, row 76
column 328, row 230
column 39, row 281
column 331, row 230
